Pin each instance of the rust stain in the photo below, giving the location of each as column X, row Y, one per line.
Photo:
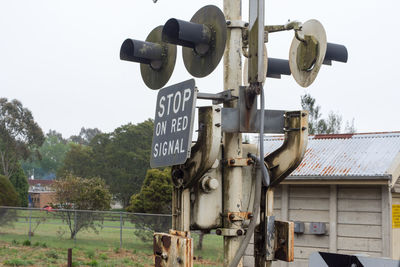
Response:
column 157, row 261
column 333, row 136
column 156, row 246
column 166, row 240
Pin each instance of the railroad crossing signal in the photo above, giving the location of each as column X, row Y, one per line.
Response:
column 157, row 58
column 203, row 39
column 199, row 172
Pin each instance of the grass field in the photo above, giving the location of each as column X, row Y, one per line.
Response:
column 51, row 239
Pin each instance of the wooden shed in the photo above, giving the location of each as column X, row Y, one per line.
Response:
column 344, row 196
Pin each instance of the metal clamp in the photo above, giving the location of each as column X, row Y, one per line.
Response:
column 239, row 216
column 230, row 232
column 239, row 162
column 237, row 24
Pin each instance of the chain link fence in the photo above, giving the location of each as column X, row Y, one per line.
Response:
column 116, row 229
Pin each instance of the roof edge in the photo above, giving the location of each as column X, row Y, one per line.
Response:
column 338, row 177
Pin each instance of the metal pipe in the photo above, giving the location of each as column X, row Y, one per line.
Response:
column 336, row 52
column 277, row 67
column 232, row 179
column 187, row 34
column 140, row 51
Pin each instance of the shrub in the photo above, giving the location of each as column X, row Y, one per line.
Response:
column 18, row 262
column 52, row 254
column 8, row 197
column 90, row 254
column 26, row 243
column 92, row 263
column 103, row 256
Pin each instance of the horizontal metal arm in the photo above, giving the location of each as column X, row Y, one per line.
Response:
column 217, row 98
column 291, row 25
column 274, row 121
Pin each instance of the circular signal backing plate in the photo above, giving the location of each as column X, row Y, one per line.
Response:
column 157, row 78
column 246, row 68
column 306, row 77
column 201, row 66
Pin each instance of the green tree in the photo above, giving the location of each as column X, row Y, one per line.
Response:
column 53, row 152
column 20, row 182
column 123, row 157
column 154, row 197
column 8, row 197
column 85, row 136
column 317, row 125
column 314, row 114
column 20, row 135
column 78, row 161
column 75, row 193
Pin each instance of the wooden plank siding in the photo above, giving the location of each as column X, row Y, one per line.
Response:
column 352, row 213
column 359, row 220
column 309, row 204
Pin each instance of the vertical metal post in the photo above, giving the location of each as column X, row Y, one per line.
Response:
column 30, row 226
column 232, row 180
column 260, row 233
column 270, row 209
column 120, row 229
column 181, row 209
column 75, row 221
column 69, row 257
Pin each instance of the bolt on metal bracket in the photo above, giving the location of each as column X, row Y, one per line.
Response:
column 230, row 232
column 239, row 162
column 237, row 24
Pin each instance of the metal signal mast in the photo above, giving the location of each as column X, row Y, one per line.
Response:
column 213, row 179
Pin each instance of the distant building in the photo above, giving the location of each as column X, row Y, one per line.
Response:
column 41, row 193
column 349, row 185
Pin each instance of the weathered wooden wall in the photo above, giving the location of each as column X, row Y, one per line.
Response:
column 353, row 217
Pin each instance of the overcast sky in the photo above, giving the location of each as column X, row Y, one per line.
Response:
column 60, row 58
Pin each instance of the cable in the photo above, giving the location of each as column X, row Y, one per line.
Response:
column 253, row 221
column 263, row 173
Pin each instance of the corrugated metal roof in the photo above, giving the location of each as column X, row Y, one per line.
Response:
column 368, row 154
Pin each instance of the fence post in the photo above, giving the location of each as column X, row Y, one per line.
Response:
column 120, row 230
column 75, row 227
column 69, row 257
column 30, row 227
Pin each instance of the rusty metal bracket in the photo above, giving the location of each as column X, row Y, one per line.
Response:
column 179, row 233
column 284, row 241
column 286, row 158
column 173, row 249
column 204, row 152
column 239, row 162
column 239, row 216
column 218, row 98
column 230, row 231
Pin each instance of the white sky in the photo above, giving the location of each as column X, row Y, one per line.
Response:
column 61, row 59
